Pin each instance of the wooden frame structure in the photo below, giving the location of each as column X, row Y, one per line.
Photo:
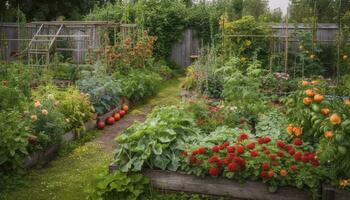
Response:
column 44, row 38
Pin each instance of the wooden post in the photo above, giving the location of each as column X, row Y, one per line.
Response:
column 286, row 45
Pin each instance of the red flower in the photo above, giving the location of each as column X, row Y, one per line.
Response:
column 240, row 150
column 232, row 167
column 240, row 161
column 263, row 174
column 261, row 140
column 254, row 154
column 305, row 159
column 231, row 155
column 222, row 147
column 273, row 157
column 267, row 140
column 243, row 136
column 271, row 174
column 297, row 156
column 213, row 159
column 315, row 163
column 201, row 150
column 311, row 156
column 265, row 166
column 192, row 159
column 280, row 153
column 264, row 148
column 213, row 171
column 251, row 145
column 294, row 168
column 183, row 154
column 291, row 151
column 280, row 143
column 226, row 144
column 215, row 149
column 274, row 163
column 230, row 149
column 287, row 147
column 195, row 152
column 297, row 142
column 267, row 152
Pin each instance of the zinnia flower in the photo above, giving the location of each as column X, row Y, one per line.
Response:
column 44, row 112
column 34, row 118
column 37, row 104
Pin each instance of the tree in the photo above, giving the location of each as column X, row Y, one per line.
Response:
column 51, row 9
column 255, row 8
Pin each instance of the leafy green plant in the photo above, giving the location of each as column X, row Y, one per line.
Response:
column 101, row 89
column 137, row 85
column 48, row 124
column 74, row 105
column 14, row 135
column 119, row 186
column 241, row 87
column 272, row 124
column 10, row 98
column 156, row 143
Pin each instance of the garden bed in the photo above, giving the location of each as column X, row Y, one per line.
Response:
column 181, row 182
column 48, row 154
column 331, row 193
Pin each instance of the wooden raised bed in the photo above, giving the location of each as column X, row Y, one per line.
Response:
column 48, row 154
column 331, row 193
column 181, row 182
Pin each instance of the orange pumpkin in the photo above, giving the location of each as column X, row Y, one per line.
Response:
column 328, row 134
column 335, row 119
column 310, row 93
column 307, row 101
column 318, row 98
column 325, row 111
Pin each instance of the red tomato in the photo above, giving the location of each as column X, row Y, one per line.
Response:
column 101, row 125
column 116, row 116
column 121, row 113
column 110, row 120
column 125, row 107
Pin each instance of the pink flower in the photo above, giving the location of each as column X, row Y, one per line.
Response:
column 34, row 118
column 44, row 112
column 37, row 104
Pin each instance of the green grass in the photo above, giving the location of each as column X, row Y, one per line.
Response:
column 68, row 176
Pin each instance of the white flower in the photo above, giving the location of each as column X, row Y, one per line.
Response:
column 51, row 97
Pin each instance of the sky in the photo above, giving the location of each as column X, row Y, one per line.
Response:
column 283, row 4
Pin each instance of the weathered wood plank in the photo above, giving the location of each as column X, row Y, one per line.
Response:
column 331, row 193
column 181, row 182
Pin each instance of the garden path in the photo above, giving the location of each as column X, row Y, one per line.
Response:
column 69, row 176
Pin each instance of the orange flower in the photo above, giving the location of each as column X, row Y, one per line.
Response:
column 307, row 101
column 325, row 111
column 347, row 102
column 290, row 129
column 304, row 83
column 310, row 93
column 335, row 119
column 328, row 134
column 318, row 98
column 298, row 131
column 314, row 82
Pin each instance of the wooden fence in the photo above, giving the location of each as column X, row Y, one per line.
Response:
column 189, row 44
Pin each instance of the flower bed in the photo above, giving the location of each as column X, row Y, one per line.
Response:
column 182, row 182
